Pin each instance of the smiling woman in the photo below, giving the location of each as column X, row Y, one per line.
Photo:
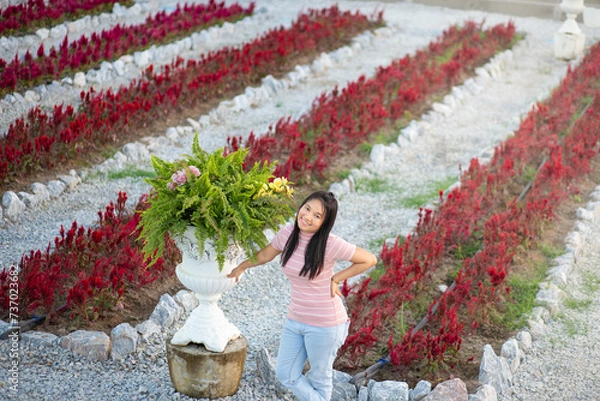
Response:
column 317, row 322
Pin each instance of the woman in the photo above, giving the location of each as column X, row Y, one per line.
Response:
column 317, row 323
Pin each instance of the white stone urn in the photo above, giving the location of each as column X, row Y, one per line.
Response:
column 207, row 323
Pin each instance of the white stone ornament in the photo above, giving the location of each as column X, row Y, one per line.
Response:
column 569, row 41
column 207, row 323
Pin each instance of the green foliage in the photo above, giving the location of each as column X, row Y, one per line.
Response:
column 430, row 193
column 373, row 185
column 213, row 193
column 523, row 290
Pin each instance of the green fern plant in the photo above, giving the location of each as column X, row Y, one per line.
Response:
column 216, row 195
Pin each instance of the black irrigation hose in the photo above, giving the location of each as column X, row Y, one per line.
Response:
column 359, row 378
column 26, row 325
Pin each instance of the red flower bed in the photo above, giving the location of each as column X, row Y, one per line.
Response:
column 85, row 271
column 42, row 139
column 33, row 14
column 483, row 210
column 344, row 118
column 84, row 53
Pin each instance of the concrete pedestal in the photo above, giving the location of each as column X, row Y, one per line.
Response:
column 199, row 373
column 568, row 46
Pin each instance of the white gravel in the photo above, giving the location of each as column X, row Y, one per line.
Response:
column 258, row 304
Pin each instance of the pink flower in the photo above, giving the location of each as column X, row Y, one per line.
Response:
column 194, row 170
column 179, row 177
column 171, row 185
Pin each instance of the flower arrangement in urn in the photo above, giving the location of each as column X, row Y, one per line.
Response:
column 218, row 197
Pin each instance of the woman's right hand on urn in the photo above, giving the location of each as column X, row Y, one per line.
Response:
column 237, row 273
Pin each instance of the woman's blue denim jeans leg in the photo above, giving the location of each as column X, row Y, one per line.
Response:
column 319, row 345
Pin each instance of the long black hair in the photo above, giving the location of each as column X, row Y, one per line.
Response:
column 314, row 257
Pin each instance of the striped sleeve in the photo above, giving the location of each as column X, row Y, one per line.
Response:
column 339, row 249
column 281, row 237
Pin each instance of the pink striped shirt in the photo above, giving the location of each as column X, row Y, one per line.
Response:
column 311, row 301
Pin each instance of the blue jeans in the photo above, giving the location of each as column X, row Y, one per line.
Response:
column 319, row 345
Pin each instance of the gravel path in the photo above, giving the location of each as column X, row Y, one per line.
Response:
column 476, row 118
column 564, row 363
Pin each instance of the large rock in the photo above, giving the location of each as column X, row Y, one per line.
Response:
column 265, row 368
column 13, row 206
column 421, row 390
column 485, row 392
column 388, row 391
column 450, row 390
column 166, row 312
column 343, row 390
column 124, row 341
column 495, row 371
column 94, row 345
column 147, row 329
column 513, row 354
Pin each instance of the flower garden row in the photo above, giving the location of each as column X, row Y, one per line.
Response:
column 42, row 139
column 342, row 119
column 33, row 14
column 47, row 267
column 26, row 72
column 484, row 213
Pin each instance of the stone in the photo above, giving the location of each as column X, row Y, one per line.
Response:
column 13, row 206
column 441, row 108
column 240, row 103
column 450, row 390
column 55, row 188
column 70, row 181
column 43, row 33
column 142, row 59
column 94, row 345
column 40, row 191
column 337, row 189
column 377, row 155
column 58, row 32
column 363, row 394
column 199, row 373
column 187, row 300
column 147, row 329
column 270, row 84
column 388, row 391
column 32, row 96
column 342, row 388
column 79, row 80
column 421, row 390
column 524, row 339
column 166, row 312
column 135, row 152
column 28, row 199
column 495, row 371
column 40, row 338
column 124, row 341
column 265, row 367
column 194, row 123
column 484, row 392
column 514, row 356
column 119, row 67
column 550, row 297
